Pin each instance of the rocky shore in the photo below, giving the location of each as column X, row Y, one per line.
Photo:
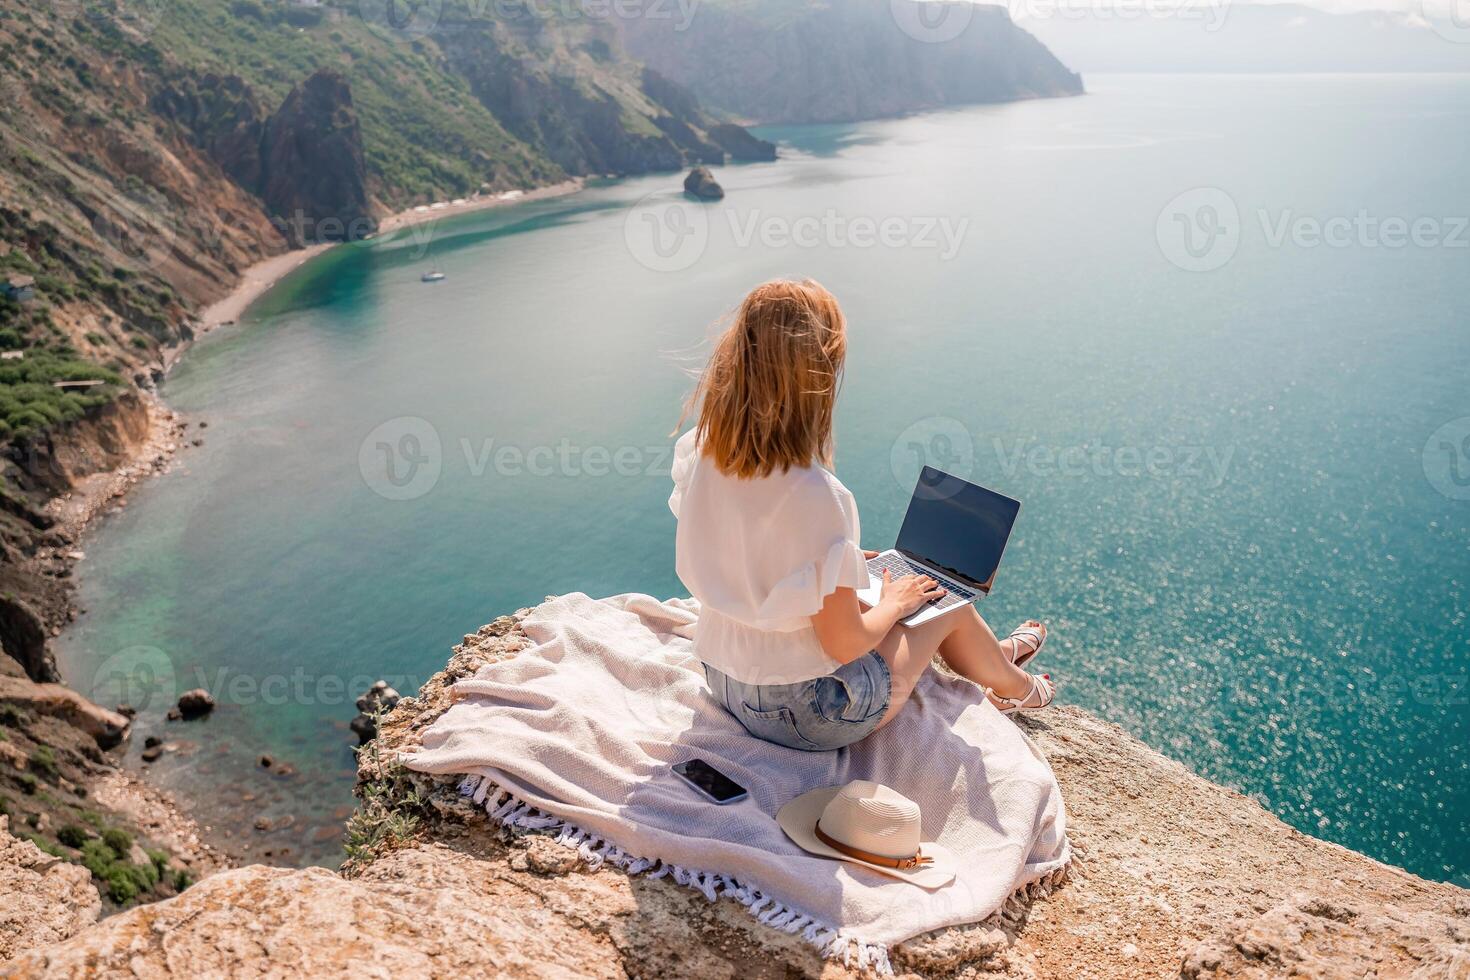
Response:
column 1177, row 877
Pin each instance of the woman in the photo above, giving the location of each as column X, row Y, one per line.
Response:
column 768, row 543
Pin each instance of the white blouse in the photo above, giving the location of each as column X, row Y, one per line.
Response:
column 761, row 555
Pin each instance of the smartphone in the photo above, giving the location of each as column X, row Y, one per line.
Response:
column 709, row 782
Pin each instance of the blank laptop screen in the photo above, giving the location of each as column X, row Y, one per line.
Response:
column 958, row 527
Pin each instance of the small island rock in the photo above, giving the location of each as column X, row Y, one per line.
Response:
column 702, row 184
column 195, row 704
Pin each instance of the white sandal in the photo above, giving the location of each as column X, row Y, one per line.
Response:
column 1041, row 688
column 1032, row 634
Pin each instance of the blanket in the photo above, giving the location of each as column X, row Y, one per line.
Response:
column 576, row 736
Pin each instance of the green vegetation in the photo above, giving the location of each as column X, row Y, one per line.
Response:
column 123, row 880
column 46, row 845
column 43, row 760
column 425, row 134
column 119, row 840
column 73, row 836
column 13, row 715
column 389, row 813
column 30, row 402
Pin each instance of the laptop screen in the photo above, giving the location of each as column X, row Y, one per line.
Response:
column 958, row 527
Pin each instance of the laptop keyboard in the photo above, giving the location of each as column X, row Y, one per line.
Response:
column 898, row 566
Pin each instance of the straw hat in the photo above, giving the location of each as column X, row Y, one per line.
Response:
column 869, row 824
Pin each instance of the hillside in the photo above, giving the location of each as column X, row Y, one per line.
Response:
column 809, row 61
column 150, row 153
column 1177, row 877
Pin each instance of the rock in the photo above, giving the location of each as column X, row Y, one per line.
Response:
column 152, row 741
column 195, row 704
column 126, row 710
column 380, row 696
column 544, row 856
column 152, row 754
column 46, row 899
column 174, row 714
column 107, row 728
column 378, row 699
column 701, row 183
column 222, row 117
column 23, row 634
column 1222, row 890
column 313, row 176
column 740, row 144
column 266, row 762
column 364, row 728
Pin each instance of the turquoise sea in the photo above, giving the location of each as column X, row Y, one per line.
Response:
column 1213, row 331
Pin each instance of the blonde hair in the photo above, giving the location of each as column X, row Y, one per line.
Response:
column 766, row 396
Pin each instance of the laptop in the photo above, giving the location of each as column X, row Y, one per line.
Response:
column 955, row 532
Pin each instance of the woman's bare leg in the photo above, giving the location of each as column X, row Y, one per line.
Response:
column 965, row 642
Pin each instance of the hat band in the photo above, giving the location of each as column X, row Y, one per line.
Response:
column 901, row 864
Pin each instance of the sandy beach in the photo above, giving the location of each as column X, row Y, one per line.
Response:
column 259, row 278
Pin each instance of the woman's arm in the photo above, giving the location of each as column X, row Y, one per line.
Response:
column 846, row 632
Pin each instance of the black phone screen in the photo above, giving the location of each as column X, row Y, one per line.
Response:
column 709, row 779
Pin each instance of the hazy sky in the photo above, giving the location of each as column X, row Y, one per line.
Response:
column 1434, row 8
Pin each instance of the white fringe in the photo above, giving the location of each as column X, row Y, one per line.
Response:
column 508, row 811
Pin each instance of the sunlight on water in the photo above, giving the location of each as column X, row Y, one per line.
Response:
column 1239, row 452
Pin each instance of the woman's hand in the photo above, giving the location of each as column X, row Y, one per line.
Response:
column 909, row 592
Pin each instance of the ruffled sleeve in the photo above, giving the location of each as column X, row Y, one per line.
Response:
column 819, row 534
column 686, row 454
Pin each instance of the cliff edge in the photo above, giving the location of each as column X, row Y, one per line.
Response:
column 1177, row 877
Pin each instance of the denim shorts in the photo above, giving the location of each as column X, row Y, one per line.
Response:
column 818, row 715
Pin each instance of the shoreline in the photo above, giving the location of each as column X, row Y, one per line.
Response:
column 94, row 497
column 260, row 278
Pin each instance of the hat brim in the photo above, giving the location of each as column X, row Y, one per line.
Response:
column 799, row 817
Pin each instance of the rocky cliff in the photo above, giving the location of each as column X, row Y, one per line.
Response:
column 815, row 61
column 1176, row 877
column 313, row 179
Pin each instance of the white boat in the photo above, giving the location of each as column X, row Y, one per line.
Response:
column 433, row 276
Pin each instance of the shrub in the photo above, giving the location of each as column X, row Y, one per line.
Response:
column 43, row 760
column 46, row 845
column 27, row 783
column 73, row 836
column 97, row 857
column 122, row 887
column 13, row 715
column 120, row 841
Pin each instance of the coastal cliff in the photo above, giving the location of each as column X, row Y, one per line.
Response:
column 1175, row 876
column 795, row 61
